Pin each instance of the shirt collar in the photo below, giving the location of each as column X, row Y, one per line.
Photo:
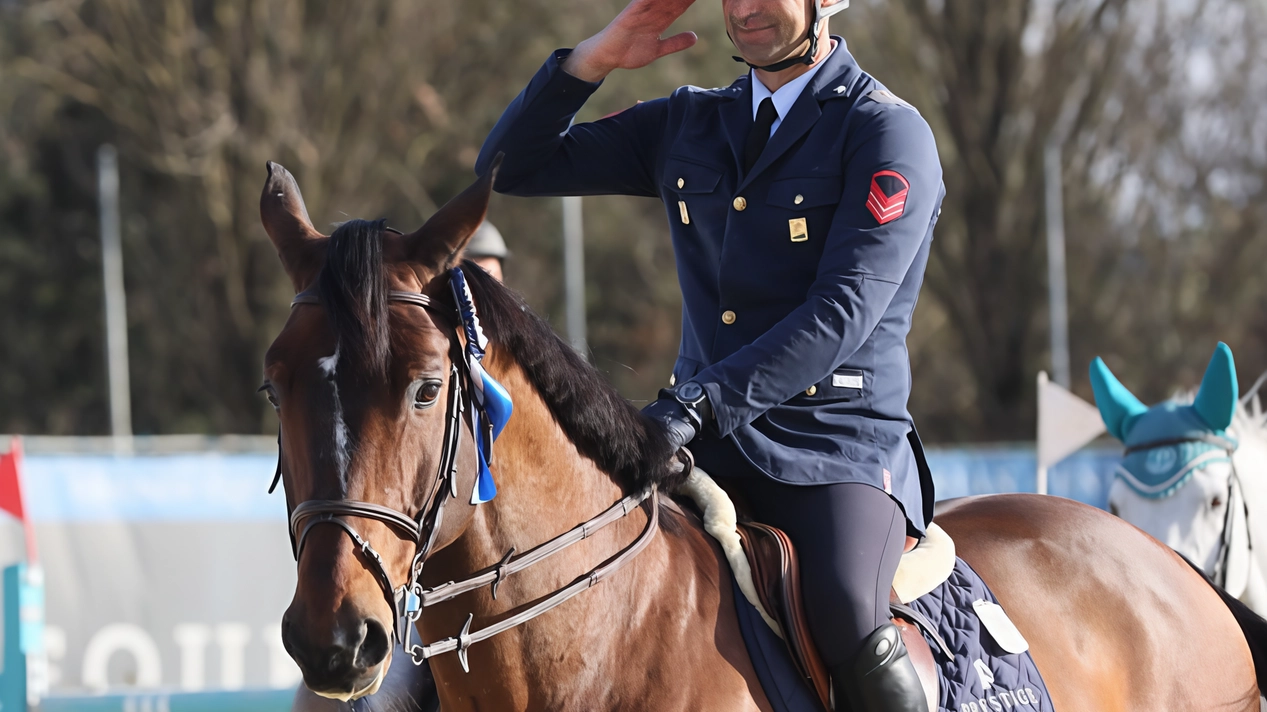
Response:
column 787, row 94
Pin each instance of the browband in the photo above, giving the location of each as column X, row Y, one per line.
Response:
column 416, row 298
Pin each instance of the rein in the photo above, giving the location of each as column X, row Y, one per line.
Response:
column 408, row 599
column 1233, row 484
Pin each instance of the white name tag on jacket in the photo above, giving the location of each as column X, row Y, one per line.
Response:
column 845, row 380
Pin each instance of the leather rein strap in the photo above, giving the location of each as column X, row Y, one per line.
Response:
column 408, row 600
column 464, row 640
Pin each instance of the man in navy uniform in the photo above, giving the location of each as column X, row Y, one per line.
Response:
column 802, row 200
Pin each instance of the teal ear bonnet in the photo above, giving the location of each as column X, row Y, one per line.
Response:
column 1169, row 442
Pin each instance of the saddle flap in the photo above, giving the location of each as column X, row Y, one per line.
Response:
column 777, row 578
column 922, row 658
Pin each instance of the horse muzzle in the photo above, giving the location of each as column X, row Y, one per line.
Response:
column 349, row 661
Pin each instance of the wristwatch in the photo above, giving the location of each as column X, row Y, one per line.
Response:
column 692, row 396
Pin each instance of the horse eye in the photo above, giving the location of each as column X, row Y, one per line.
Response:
column 427, row 394
column 267, row 390
column 1216, row 502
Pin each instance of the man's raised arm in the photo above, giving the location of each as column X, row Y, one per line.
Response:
column 543, row 156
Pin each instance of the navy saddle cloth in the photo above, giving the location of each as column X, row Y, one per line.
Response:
column 981, row 677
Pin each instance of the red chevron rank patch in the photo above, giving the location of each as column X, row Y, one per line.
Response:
column 887, row 199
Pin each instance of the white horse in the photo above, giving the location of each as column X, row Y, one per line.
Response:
column 1195, row 474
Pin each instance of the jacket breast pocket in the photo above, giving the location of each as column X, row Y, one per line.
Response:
column 803, row 193
column 687, row 177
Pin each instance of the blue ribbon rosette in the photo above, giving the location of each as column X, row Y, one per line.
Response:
column 491, row 406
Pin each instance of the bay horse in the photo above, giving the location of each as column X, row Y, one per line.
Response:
column 365, row 375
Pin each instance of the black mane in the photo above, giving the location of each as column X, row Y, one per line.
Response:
column 604, row 426
column 353, row 288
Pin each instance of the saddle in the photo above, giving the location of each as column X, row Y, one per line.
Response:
column 768, row 564
column 776, row 575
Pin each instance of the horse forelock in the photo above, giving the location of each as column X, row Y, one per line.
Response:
column 353, row 287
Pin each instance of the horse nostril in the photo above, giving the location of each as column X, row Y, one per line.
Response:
column 375, row 644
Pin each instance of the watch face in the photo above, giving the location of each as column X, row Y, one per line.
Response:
column 690, row 392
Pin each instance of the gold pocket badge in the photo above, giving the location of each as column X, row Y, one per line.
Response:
column 686, row 217
column 798, row 230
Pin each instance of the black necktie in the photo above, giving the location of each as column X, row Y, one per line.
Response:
column 760, row 133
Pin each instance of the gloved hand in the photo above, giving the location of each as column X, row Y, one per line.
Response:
column 681, row 421
column 675, row 418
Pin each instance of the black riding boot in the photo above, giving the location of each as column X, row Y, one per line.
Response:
column 882, row 679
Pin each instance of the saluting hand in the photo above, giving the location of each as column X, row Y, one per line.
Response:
column 630, row 41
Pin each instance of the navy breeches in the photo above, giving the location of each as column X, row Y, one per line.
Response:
column 849, row 539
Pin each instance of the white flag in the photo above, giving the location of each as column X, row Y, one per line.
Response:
column 1065, row 422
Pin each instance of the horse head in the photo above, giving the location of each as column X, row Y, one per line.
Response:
column 364, row 382
column 1178, row 480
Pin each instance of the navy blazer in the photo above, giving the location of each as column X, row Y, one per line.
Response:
column 798, row 279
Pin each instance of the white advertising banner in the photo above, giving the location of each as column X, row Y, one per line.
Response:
column 162, row 571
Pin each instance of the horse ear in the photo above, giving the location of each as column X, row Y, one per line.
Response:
column 1216, row 401
column 439, row 243
column 286, row 221
column 1118, row 406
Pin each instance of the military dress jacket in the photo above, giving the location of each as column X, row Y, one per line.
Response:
column 798, row 278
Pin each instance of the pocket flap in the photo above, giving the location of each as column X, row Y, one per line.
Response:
column 686, row 177
column 794, row 193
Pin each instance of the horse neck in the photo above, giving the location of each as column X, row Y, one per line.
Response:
column 546, row 488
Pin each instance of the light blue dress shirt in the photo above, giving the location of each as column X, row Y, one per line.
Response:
column 787, row 94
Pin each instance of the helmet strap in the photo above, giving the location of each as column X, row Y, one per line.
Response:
column 807, row 58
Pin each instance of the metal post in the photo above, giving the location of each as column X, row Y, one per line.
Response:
column 1040, row 479
column 116, row 302
column 1058, row 300
column 574, row 272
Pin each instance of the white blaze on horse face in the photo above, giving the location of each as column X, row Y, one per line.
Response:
column 328, row 366
column 1190, row 521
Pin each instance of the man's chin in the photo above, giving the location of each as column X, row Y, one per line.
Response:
column 762, row 57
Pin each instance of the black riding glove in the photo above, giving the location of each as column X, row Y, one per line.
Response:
column 682, row 422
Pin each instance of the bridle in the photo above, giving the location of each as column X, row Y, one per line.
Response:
column 1233, row 484
column 408, row 599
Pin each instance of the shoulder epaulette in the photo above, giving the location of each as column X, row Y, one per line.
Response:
column 884, row 96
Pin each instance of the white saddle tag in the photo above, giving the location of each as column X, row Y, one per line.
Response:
column 1001, row 628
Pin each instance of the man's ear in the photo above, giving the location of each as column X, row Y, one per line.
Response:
column 285, row 217
column 438, row 244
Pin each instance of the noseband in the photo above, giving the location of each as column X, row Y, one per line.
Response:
column 408, row 599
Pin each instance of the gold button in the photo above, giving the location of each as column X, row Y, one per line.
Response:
column 728, row 317
column 741, row 204
column 681, row 182
column 811, row 390
column 798, row 200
